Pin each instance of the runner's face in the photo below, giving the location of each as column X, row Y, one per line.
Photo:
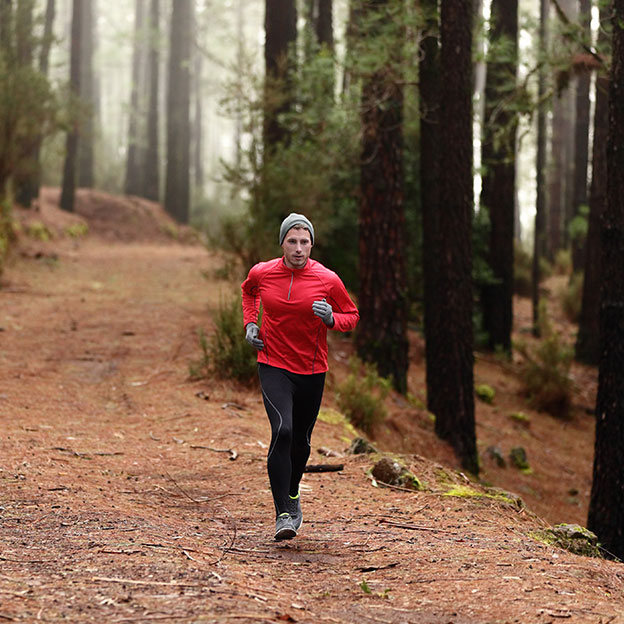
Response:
column 297, row 246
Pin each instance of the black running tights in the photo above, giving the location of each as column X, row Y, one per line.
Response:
column 292, row 403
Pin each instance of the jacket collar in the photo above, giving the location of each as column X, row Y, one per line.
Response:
column 301, row 270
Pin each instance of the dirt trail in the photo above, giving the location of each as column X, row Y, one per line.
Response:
column 121, row 503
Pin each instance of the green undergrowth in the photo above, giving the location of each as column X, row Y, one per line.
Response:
column 362, row 394
column 333, row 417
column 225, row 353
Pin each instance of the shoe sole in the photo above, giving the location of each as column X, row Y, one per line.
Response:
column 285, row 533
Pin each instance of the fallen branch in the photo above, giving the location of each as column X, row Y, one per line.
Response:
column 324, row 467
column 228, row 408
column 113, row 579
column 71, row 452
column 232, row 452
column 412, row 527
column 375, row 568
column 181, row 490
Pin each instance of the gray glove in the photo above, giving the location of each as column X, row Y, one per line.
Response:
column 251, row 336
column 323, row 310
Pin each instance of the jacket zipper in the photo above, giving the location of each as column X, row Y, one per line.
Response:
column 292, row 277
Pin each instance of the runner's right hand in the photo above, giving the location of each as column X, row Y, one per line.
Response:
column 251, row 336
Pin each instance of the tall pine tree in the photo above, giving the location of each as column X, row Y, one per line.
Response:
column 453, row 381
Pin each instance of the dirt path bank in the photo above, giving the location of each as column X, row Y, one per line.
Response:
column 118, row 504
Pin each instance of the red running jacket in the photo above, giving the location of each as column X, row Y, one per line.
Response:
column 294, row 337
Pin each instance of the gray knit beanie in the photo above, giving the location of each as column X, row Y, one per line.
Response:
column 292, row 220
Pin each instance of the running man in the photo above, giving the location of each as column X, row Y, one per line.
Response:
column 300, row 300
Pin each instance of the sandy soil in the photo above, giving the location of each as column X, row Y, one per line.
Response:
column 130, row 494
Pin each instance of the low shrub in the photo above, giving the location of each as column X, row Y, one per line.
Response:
column 572, row 297
column 563, row 262
column 361, row 396
column 8, row 231
column 226, row 353
column 546, row 371
column 39, row 231
column 523, row 271
column 200, row 369
column 77, row 230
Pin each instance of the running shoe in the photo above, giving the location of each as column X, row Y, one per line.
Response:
column 294, row 508
column 284, row 527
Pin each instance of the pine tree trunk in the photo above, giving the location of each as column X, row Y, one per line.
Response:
column 134, row 164
column 24, row 48
column 581, row 140
column 27, row 187
column 429, row 74
column 351, row 36
column 606, row 508
column 454, row 383
column 198, row 162
column 588, row 337
column 280, row 26
column 177, row 182
column 498, row 150
column 240, row 57
column 382, row 331
column 86, row 173
column 151, row 178
column 556, row 186
column 324, row 24
column 539, row 235
column 71, row 151
column 6, row 27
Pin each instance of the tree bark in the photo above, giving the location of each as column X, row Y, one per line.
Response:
column 429, row 73
column 325, row 24
column 198, row 162
column 134, row 161
column 454, row 382
column 606, row 507
column 151, row 178
column 24, row 45
column 588, row 337
column 71, row 151
column 177, row 183
column 556, row 187
column 498, row 150
column 48, row 36
column 539, row 240
column 86, row 163
column 382, row 331
column 581, row 137
column 280, row 26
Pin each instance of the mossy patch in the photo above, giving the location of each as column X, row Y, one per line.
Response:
column 521, row 418
column 465, row 491
column 571, row 537
column 518, row 458
column 485, row 393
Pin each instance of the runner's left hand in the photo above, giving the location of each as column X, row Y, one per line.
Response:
column 323, row 310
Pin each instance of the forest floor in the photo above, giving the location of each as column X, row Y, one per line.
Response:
column 129, row 493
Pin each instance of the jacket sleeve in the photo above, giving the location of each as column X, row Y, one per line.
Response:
column 346, row 315
column 251, row 296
